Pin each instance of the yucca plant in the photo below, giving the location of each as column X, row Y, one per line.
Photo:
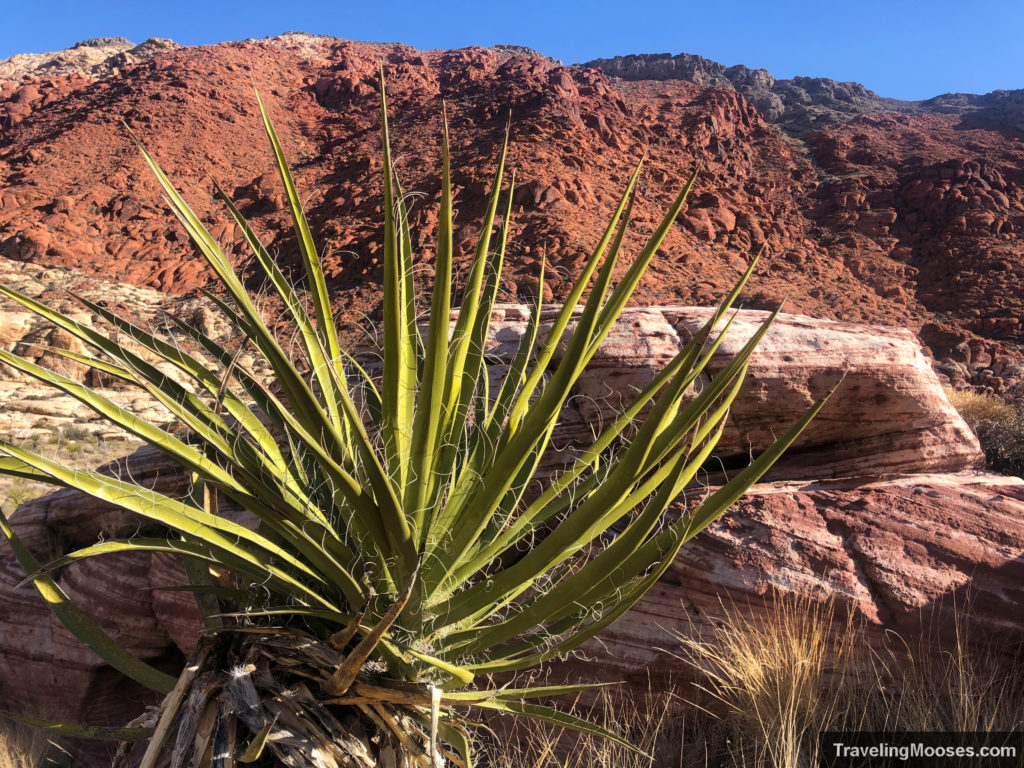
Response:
column 403, row 555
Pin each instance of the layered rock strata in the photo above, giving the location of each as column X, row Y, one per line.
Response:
column 897, row 522
column 31, row 411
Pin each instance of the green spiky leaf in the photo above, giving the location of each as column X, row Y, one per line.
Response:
column 402, row 520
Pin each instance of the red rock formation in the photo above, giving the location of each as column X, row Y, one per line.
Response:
column 918, row 556
column 886, row 219
column 893, row 416
column 907, row 529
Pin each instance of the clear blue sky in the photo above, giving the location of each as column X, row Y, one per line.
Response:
column 909, row 49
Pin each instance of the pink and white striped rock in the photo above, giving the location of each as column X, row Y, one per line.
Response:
column 878, row 505
column 890, row 414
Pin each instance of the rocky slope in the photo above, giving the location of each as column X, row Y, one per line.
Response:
column 886, row 212
column 32, row 411
column 804, row 104
column 100, row 57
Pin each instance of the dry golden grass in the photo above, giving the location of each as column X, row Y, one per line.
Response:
column 22, row 747
column 645, row 722
column 961, row 688
column 774, row 678
column 769, row 686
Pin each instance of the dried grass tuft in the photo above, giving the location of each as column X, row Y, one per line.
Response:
column 769, row 685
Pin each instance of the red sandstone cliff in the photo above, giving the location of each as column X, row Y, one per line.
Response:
column 908, row 217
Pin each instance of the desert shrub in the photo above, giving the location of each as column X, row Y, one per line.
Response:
column 999, row 426
column 75, row 432
column 17, row 492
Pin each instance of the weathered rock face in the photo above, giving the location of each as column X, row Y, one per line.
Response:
column 805, row 104
column 916, row 555
column 892, row 415
column 43, row 668
column 905, row 529
column 886, row 212
column 98, row 57
column 32, row 410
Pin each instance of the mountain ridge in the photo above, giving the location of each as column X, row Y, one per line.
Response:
column 801, row 105
column 773, row 96
column 909, row 220
column 96, row 57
